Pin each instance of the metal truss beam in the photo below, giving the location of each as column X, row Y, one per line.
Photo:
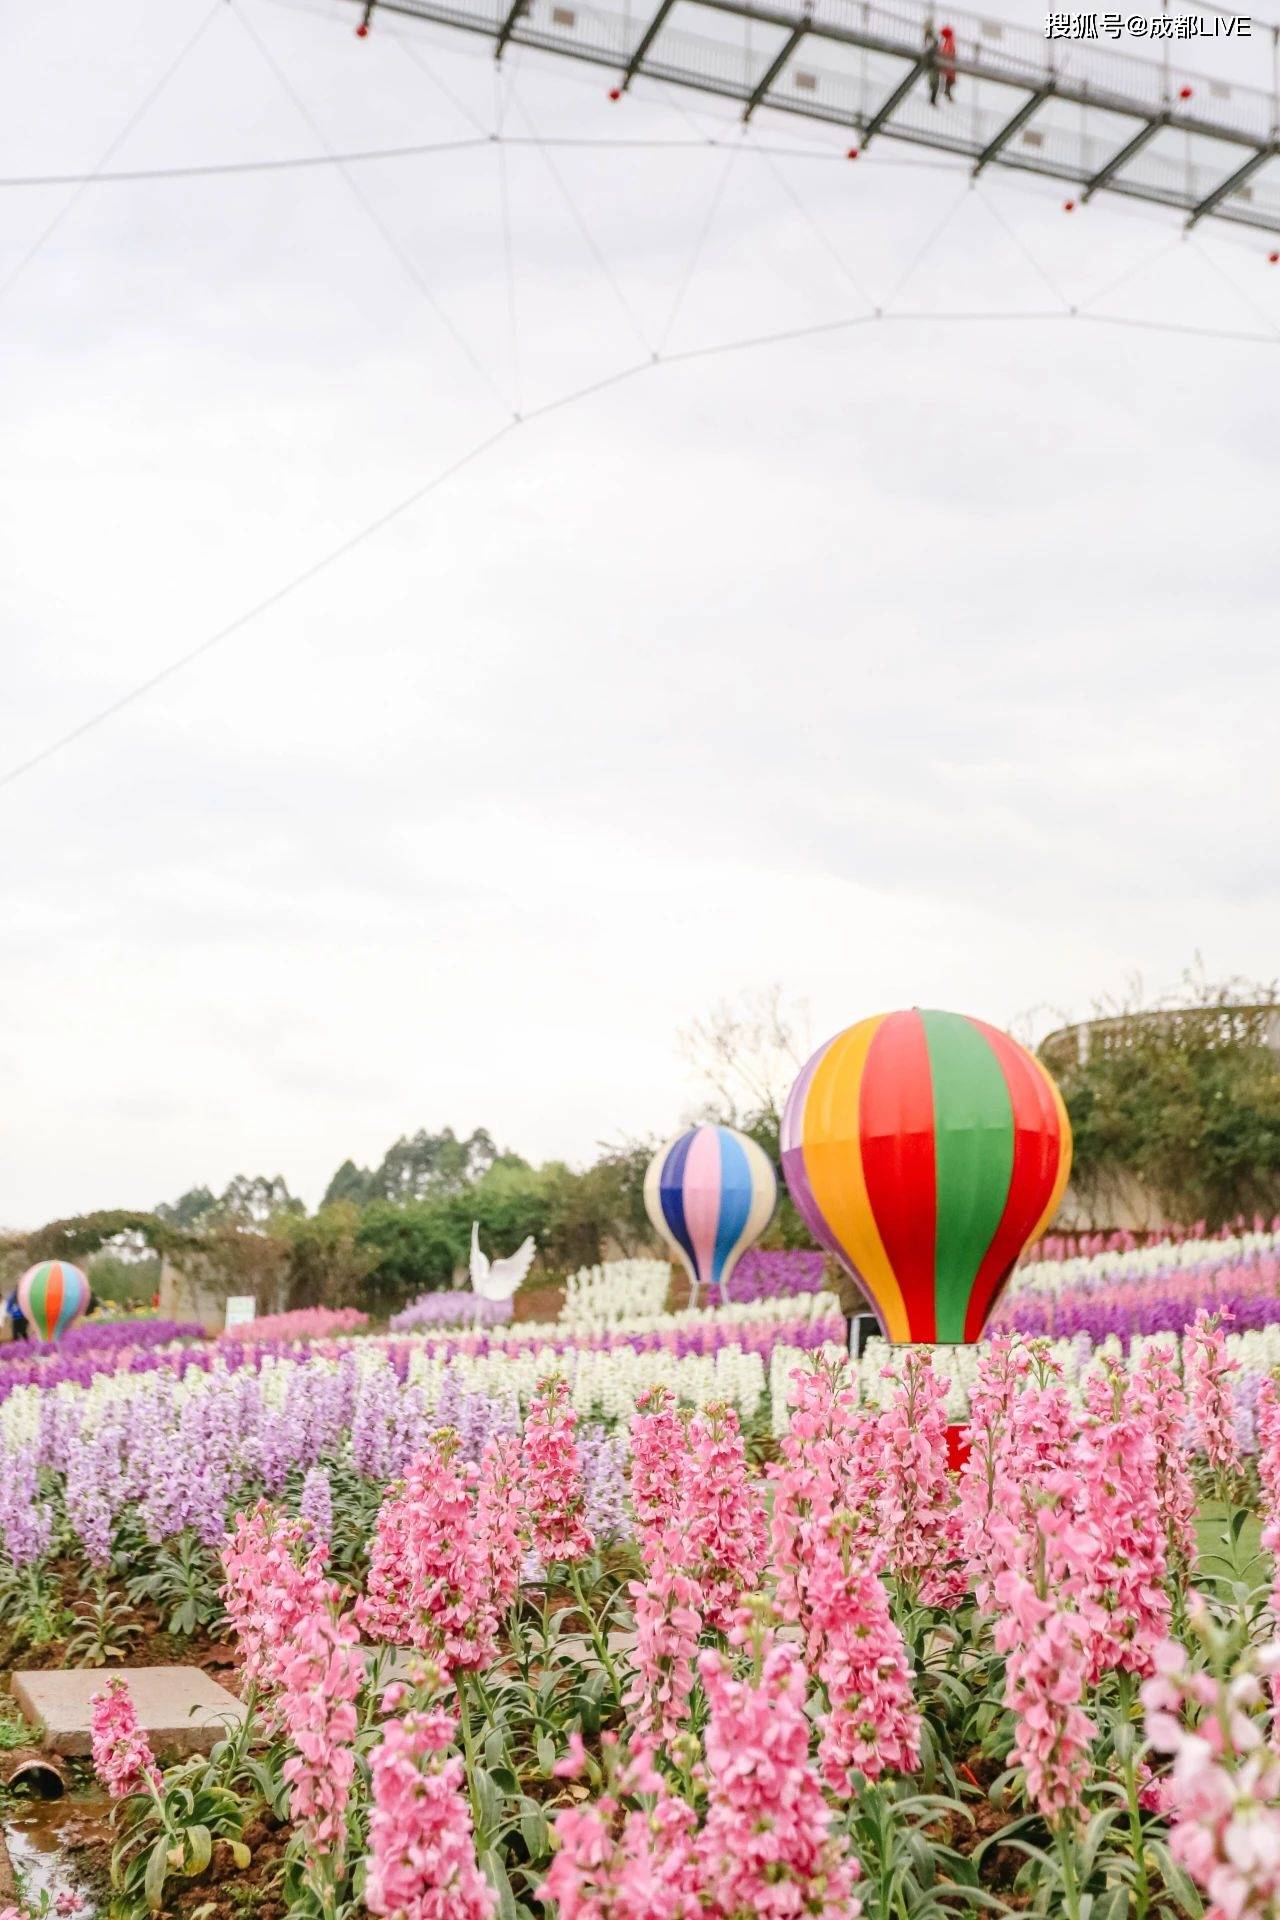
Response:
column 1080, row 93
column 1013, row 125
column 1232, row 181
column 1125, row 155
column 895, row 99
column 646, row 40
column 775, row 67
column 603, row 34
column 508, row 26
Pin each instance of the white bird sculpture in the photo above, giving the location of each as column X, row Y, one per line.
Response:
column 498, row 1279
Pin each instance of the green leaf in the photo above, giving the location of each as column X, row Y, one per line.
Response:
column 240, row 1854
column 1094, row 1835
column 589, row 1698
column 534, row 1830
column 1175, row 1878
column 157, row 1873
column 490, row 1801
column 197, row 1851
column 496, row 1874
column 546, row 1752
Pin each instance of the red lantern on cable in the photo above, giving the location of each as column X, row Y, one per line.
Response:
column 615, row 93
column 852, row 154
column 1184, row 93
column 1068, row 206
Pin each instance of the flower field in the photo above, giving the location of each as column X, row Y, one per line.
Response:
column 1126, row 1292
column 650, row 1616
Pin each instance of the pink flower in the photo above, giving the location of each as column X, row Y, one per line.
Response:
column 660, row 1465
column 1119, row 1532
column 1002, row 1373
column 1049, row 1654
column 1155, row 1394
column 430, row 1583
column 1223, row 1794
column 723, row 1515
column 1208, row 1372
column 321, row 1673
column 1022, row 1430
column 611, row 1864
column 573, row 1761
column 872, row 1725
column 122, row 1756
column 921, row 1522
column 769, row 1846
column 668, row 1611
column 499, row 1518
column 273, row 1581
column 1268, row 1419
column 831, row 1457
column 552, row 1469
column 422, row 1854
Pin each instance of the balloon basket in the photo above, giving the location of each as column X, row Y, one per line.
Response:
column 957, row 1448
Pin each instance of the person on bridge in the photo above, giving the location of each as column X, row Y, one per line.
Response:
column 947, row 60
column 931, row 57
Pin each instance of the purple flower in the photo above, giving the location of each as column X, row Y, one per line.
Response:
column 316, row 1504
column 26, row 1521
column 604, row 1466
column 451, row 1309
column 770, row 1276
column 95, row 1484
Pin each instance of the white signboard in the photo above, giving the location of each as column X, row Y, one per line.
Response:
column 241, row 1308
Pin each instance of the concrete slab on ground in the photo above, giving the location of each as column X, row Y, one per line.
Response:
column 180, row 1709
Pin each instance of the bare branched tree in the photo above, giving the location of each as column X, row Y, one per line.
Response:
column 744, row 1054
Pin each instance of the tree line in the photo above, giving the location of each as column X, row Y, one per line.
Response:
column 1181, row 1097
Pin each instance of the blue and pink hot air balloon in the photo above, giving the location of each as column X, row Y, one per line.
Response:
column 710, row 1194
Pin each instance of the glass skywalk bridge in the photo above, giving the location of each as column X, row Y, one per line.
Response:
column 1079, row 111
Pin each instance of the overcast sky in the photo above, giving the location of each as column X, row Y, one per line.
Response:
column 919, row 661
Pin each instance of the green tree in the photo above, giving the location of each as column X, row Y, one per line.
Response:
column 326, row 1264
column 130, row 1282
column 87, row 1233
column 189, row 1208
column 1182, row 1099
column 414, row 1250
column 234, row 1257
column 598, row 1208
column 423, row 1163
column 351, row 1183
column 256, row 1198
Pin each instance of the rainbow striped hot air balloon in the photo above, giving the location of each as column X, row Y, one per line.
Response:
column 926, row 1151
column 53, row 1295
column 710, row 1193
